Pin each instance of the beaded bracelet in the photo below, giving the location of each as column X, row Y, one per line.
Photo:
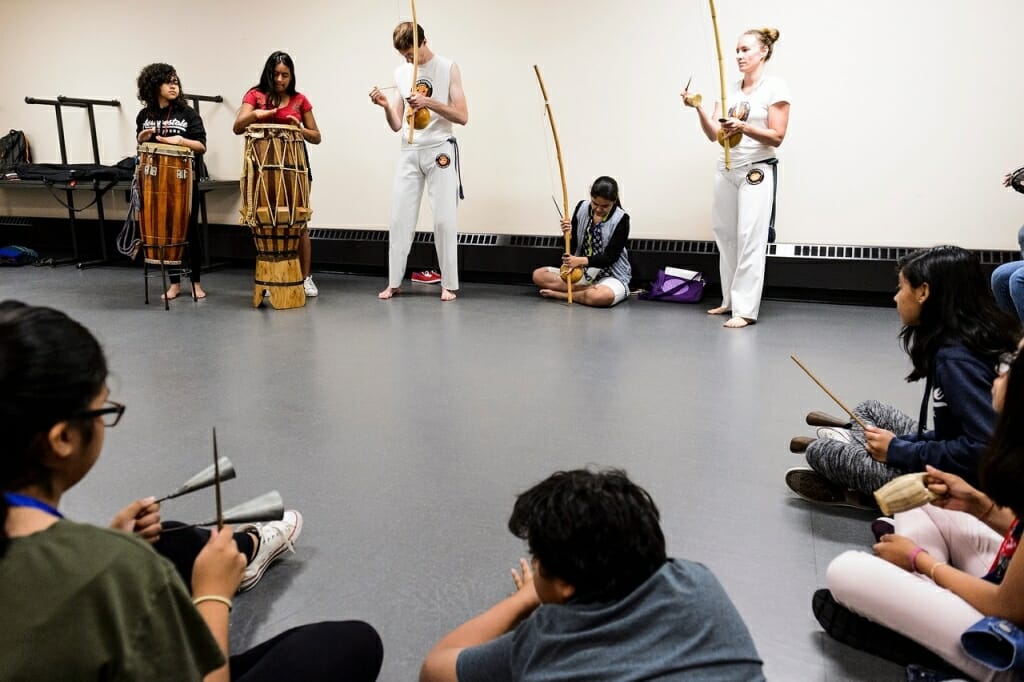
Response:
column 931, row 573
column 212, row 597
column 913, row 557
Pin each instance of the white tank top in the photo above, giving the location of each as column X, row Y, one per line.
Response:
column 433, row 80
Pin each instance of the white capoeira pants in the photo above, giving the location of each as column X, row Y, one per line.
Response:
column 740, row 214
column 434, row 166
column 910, row 603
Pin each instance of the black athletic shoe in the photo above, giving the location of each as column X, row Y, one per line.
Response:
column 843, row 625
column 882, row 526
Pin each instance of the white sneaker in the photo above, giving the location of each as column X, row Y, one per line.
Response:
column 275, row 538
column 835, row 433
column 310, row 287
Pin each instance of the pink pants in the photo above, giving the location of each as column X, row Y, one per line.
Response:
column 912, row 604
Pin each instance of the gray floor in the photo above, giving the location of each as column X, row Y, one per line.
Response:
column 402, row 431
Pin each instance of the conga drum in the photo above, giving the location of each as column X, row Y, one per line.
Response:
column 164, row 175
column 275, row 205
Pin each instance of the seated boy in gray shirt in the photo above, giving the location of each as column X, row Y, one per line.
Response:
column 602, row 601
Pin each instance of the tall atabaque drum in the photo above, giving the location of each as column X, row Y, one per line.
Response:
column 275, row 205
column 164, row 175
column 163, row 179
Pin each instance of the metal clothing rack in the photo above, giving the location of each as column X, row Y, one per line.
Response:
column 88, row 105
column 204, row 174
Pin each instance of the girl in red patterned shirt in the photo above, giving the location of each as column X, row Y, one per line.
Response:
column 275, row 100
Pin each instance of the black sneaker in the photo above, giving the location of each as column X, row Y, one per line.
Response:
column 917, row 673
column 882, row 526
column 843, row 625
column 816, row 489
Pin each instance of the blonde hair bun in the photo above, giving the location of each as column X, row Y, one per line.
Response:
column 770, row 35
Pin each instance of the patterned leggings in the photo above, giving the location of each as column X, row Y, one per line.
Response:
column 849, row 464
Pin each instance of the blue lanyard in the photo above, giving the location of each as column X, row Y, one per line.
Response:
column 16, row 500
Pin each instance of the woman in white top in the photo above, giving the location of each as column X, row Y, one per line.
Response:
column 744, row 200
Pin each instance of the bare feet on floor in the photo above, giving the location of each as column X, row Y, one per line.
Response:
column 389, row 293
column 447, row 294
column 720, row 310
column 738, row 323
column 172, row 293
column 197, row 291
column 551, row 293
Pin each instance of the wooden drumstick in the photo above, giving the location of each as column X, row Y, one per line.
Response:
column 830, row 393
column 216, row 480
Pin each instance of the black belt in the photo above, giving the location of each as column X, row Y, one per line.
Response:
column 458, row 165
column 773, row 162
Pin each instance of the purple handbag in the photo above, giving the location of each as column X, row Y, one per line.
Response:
column 676, row 285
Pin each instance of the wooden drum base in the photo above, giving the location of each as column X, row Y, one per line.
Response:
column 283, row 278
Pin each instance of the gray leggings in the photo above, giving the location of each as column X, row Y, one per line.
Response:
column 849, row 464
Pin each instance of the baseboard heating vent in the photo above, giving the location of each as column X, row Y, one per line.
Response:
column 330, row 234
column 536, row 241
column 887, row 253
column 14, row 221
column 671, row 246
column 482, row 239
column 872, row 253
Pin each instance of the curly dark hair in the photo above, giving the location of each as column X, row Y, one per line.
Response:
column 960, row 308
column 1001, row 468
column 151, row 78
column 596, row 530
column 50, row 368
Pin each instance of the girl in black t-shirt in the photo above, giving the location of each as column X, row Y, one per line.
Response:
column 168, row 119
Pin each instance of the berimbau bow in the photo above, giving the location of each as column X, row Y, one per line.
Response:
column 561, row 172
column 725, row 140
column 411, row 115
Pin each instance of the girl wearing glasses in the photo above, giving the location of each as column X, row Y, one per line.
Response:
column 968, row 550
column 168, row 119
column 953, row 333
column 275, row 100
column 83, row 602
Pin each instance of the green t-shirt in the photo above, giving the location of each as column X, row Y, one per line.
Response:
column 87, row 603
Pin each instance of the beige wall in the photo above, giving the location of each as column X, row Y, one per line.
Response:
column 905, row 114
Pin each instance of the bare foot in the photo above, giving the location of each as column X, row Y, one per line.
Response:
column 388, row 293
column 551, row 293
column 738, row 323
column 173, row 292
column 720, row 310
column 447, row 294
column 197, row 291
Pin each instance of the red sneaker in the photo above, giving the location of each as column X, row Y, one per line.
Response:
column 426, row 277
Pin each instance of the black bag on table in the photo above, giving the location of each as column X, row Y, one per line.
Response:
column 13, row 150
column 70, row 172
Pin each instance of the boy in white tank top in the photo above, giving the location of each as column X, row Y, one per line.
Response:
column 431, row 158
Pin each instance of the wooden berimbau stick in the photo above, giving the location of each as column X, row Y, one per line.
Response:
column 216, row 481
column 830, row 393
